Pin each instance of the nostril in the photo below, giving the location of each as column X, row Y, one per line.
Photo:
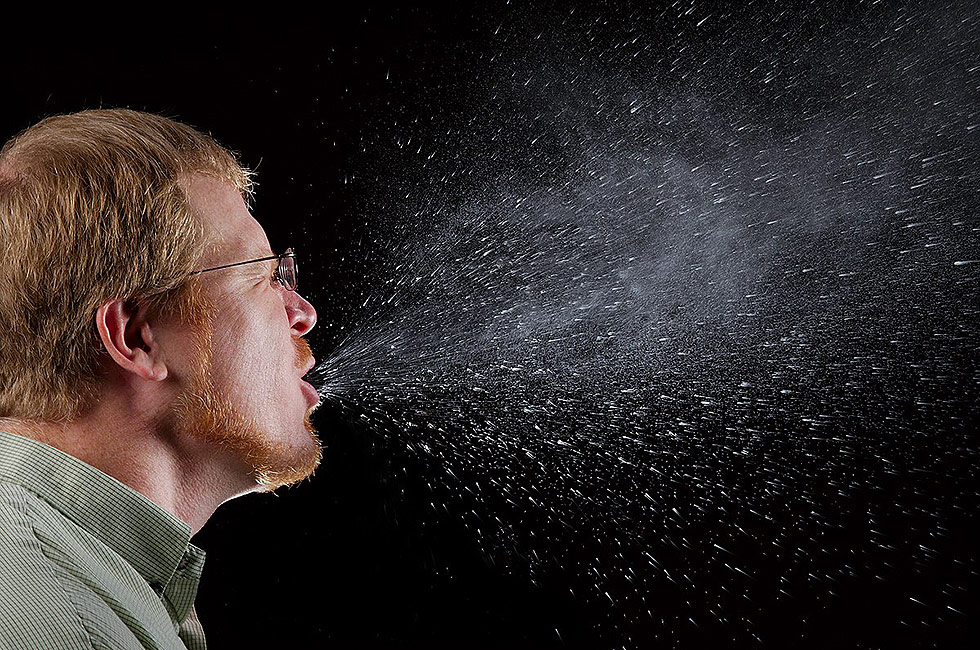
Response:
column 299, row 308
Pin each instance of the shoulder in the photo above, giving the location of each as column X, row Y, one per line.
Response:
column 21, row 511
column 38, row 611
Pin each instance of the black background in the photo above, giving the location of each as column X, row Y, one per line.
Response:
column 354, row 557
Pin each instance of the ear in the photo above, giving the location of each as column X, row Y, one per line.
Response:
column 129, row 339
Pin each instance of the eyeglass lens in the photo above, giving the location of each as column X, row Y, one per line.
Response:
column 287, row 272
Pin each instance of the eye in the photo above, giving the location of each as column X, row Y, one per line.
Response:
column 274, row 274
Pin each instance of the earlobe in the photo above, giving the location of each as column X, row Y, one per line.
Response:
column 129, row 339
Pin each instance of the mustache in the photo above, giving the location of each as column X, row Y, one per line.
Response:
column 303, row 352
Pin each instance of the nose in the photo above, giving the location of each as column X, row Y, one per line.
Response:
column 302, row 315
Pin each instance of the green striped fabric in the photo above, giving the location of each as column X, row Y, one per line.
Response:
column 87, row 562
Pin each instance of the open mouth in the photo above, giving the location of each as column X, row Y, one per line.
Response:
column 310, row 392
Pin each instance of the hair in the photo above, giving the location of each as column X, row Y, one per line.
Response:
column 91, row 210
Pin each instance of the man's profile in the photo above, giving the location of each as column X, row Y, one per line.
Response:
column 151, row 357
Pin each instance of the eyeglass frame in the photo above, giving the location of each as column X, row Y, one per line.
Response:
column 281, row 270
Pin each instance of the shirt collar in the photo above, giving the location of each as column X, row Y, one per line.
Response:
column 151, row 539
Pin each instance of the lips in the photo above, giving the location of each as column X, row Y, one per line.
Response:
column 309, row 366
column 306, row 362
column 311, row 394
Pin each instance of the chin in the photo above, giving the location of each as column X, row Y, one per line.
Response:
column 280, row 464
column 275, row 460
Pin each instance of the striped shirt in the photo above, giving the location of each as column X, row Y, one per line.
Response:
column 87, row 562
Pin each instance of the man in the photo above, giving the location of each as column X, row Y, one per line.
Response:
column 151, row 356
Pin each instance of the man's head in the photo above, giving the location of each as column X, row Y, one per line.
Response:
column 105, row 216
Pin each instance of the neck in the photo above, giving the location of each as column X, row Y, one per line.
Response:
column 186, row 477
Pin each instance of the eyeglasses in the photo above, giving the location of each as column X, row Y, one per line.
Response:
column 285, row 272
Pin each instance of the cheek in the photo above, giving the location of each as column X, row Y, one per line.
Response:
column 245, row 352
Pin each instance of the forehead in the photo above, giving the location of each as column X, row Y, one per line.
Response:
column 233, row 231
